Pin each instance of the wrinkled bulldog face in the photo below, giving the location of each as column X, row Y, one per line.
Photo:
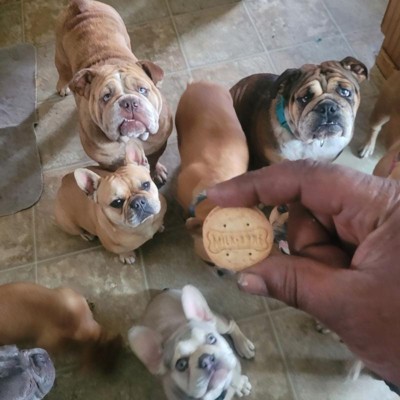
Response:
column 129, row 196
column 25, row 374
column 124, row 102
column 321, row 101
column 200, row 360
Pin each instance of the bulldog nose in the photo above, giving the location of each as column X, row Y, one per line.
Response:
column 129, row 104
column 327, row 109
column 206, row 361
column 138, row 203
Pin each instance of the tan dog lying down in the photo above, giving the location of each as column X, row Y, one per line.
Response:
column 123, row 208
column 52, row 319
column 212, row 147
column 115, row 93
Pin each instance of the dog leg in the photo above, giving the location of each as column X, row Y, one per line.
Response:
column 160, row 174
column 242, row 387
column 128, row 258
column 244, row 347
column 377, row 121
column 64, row 73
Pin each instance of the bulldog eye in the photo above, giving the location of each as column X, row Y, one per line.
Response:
column 106, row 97
column 344, row 92
column 211, row 339
column 182, row 364
column 117, row 203
column 305, row 99
column 146, row 185
column 143, row 90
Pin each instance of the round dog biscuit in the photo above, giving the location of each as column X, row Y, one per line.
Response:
column 236, row 238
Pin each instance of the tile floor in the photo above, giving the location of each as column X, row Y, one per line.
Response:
column 221, row 40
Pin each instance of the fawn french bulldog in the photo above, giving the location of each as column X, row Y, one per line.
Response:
column 180, row 339
column 123, row 208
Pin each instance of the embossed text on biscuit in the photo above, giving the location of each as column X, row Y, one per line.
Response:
column 255, row 239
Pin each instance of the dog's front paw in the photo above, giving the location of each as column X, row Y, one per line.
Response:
column 245, row 348
column 63, row 90
column 367, row 150
column 128, row 258
column 242, row 387
column 160, row 174
column 88, row 236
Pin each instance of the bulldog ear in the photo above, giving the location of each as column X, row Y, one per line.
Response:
column 80, row 83
column 87, row 180
column 134, row 154
column 285, row 82
column 155, row 72
column 359, row 70
column 146, row 343
column 195, row 305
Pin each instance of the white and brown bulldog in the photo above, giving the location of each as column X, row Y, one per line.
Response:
column 306, row 112
column 116, row 94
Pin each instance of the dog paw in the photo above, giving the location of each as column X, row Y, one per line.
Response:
column 367, row 150
column 242, row 387
column 88, row 236
column 160, row 174
column 245, row 348
column 128, row 258
column 63, row 90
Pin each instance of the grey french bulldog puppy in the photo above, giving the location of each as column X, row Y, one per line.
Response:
column 180, row 339
column 25, row 374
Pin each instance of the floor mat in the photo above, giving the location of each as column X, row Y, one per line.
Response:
column 21, row 179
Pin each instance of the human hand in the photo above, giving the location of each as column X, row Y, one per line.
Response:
column 344, row 237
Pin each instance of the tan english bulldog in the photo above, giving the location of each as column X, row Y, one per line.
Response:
column 385, row 121
column 123, row 208
column 212, row 147
column 116, row 94
column 306, row 112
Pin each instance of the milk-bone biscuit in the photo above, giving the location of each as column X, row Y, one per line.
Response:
column 236, row 238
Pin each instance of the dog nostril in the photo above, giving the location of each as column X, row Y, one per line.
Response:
column 206, row 361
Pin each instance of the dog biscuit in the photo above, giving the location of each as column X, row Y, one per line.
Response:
column 236, row 238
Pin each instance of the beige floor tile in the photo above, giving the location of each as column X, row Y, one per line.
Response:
column 217, row 34
column 39, row 19
column 117, row 290
column 173, row 86
column 182, row 6
column 356, row 14
column 138, row 11
column 319, row 364
column 10, row 24
column 172, row 266
column 47, row 75
column 157, row 41
column 266, row 371
column 290, row 22
column 57, row 134
column 51, row 241
column 229, row 73
column 16, row 238
column 21, row 274
column 333, row 48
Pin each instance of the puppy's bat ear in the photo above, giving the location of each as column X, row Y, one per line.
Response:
column 134, row 154
column 146, row 343
column 195, row 305
column 359, row 70
column 80, row 83
column 155, row 72
column 87, row 180
column 283, row 85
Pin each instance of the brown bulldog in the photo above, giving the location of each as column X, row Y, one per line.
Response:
column 306, row 112
column 212, row 147
column 116, row 94
column 385, row 118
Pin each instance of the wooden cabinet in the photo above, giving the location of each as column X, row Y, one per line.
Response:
column 388, row 59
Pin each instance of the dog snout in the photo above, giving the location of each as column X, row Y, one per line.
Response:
column 206, row 361
column 129, row 104
column 327, row 109
column 138, row 203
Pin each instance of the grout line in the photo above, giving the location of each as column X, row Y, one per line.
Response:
column 178, row 36
column 283, row 356
column 83, row 164
column 259, row 37
column 338, row 28
column 22, row 21
column 17, row 267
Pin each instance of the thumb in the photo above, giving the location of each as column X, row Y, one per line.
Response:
column 298, row 281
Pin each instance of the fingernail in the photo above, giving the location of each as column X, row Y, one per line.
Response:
column 253, row 284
